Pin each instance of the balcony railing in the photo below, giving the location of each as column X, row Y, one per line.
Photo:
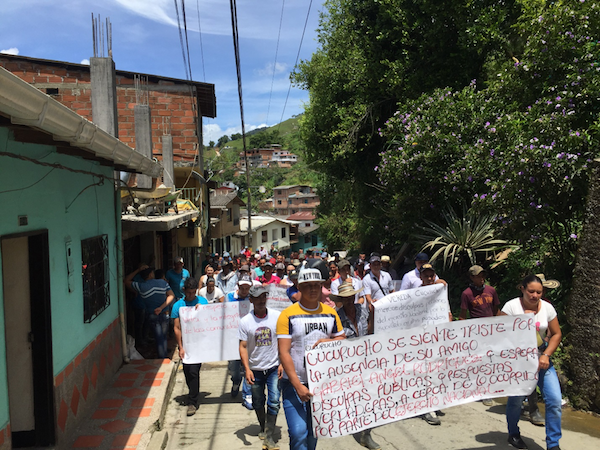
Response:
column 189, row 194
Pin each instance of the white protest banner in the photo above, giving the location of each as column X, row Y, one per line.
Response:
column 425, row 305
column 373, row 380
column 277, row 297
column 210, row 333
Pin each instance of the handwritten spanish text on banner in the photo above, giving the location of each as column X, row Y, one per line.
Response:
column 277, row 297
column 373, row 380
column 426, row 305
column 210, row 333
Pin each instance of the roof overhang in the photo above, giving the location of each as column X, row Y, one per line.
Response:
column 27, row 106
column 133, row 224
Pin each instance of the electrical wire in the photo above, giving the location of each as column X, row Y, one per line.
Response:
column 200, row 36
column 196, row 109
column 275, row 63
column 185, row 64
column 296, row 63
column 238, row 68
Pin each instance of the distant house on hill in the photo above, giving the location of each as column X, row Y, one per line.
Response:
column 292, row 199
column 272, row 156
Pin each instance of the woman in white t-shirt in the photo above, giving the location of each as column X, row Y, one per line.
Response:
column 546, row 323
column 210, row 292
column 209, row 272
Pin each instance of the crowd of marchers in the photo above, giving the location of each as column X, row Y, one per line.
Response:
column 331, row 298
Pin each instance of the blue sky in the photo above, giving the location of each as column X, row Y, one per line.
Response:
column 146, row 40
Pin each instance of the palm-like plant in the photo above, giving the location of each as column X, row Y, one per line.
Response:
column 469, row 236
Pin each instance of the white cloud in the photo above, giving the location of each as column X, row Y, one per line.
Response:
column 10, row 51
column 85, row 61
column 157, row 10
column 268, row 70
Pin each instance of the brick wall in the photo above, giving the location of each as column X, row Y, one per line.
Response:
column 166, row 99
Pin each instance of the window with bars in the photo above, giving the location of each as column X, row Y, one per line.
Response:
column 95, row 275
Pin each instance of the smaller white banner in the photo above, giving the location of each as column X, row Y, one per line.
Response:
column 210, row 333
column 402, row 310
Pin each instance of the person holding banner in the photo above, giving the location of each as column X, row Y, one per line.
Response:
column 241, row 294
column 429, row 277
column 191, row 371
column 356, row 321
column 412, row 279
column 302, row 326
column 546, row 322
column 260, row 358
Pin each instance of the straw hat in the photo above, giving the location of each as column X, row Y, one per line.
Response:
column 345, row 291
column 550, row 284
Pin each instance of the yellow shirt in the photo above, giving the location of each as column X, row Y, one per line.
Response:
column 305, row 327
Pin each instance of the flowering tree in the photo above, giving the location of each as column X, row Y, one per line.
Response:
column 517, row 143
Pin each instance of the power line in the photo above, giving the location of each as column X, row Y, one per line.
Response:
column 295, row 64
column 275, row 63
column 236, row 51
column 200, row 36
column 185, row 49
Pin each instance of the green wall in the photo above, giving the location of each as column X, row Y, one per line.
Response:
column 43, row 195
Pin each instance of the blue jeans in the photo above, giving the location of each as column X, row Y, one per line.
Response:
column 297, row 414
column 160, row 325
column 238, row 376
column 270, row 380
column 550, row 387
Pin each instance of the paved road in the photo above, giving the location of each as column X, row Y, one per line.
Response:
column 221, row 423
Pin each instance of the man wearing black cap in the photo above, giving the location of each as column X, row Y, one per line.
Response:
column 412, row 279
column 377, row 283
column 260, row 358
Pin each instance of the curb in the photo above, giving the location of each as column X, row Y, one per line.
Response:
column 159, row 438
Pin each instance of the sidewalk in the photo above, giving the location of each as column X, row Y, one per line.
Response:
column 129, row 411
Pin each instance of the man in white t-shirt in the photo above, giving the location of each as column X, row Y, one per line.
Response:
column 210, row 292
column 344, row 269
column 412, row 279
column 260, row 358
column 377, row 283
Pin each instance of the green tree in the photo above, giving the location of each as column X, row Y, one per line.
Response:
column 264, row 139
column 211, row 144
column 373, row 54
column 222, row 141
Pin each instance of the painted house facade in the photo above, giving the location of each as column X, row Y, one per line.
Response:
column 61, row 298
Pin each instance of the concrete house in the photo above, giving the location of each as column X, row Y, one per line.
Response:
column 61, row 297
column 267, row 231
column 174, row 109
column 225, row 222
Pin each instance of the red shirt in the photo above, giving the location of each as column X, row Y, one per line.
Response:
column 274, row 279
column 479, row 303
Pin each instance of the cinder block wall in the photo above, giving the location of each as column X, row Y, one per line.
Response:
column 166, row 99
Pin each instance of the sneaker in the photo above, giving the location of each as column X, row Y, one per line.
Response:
column 247, row 402
column 537, row 419
column 440, row 413
column 487, row 402
column 235, row 389
column 191, row 410
column 516, row 441
column 431, row 419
